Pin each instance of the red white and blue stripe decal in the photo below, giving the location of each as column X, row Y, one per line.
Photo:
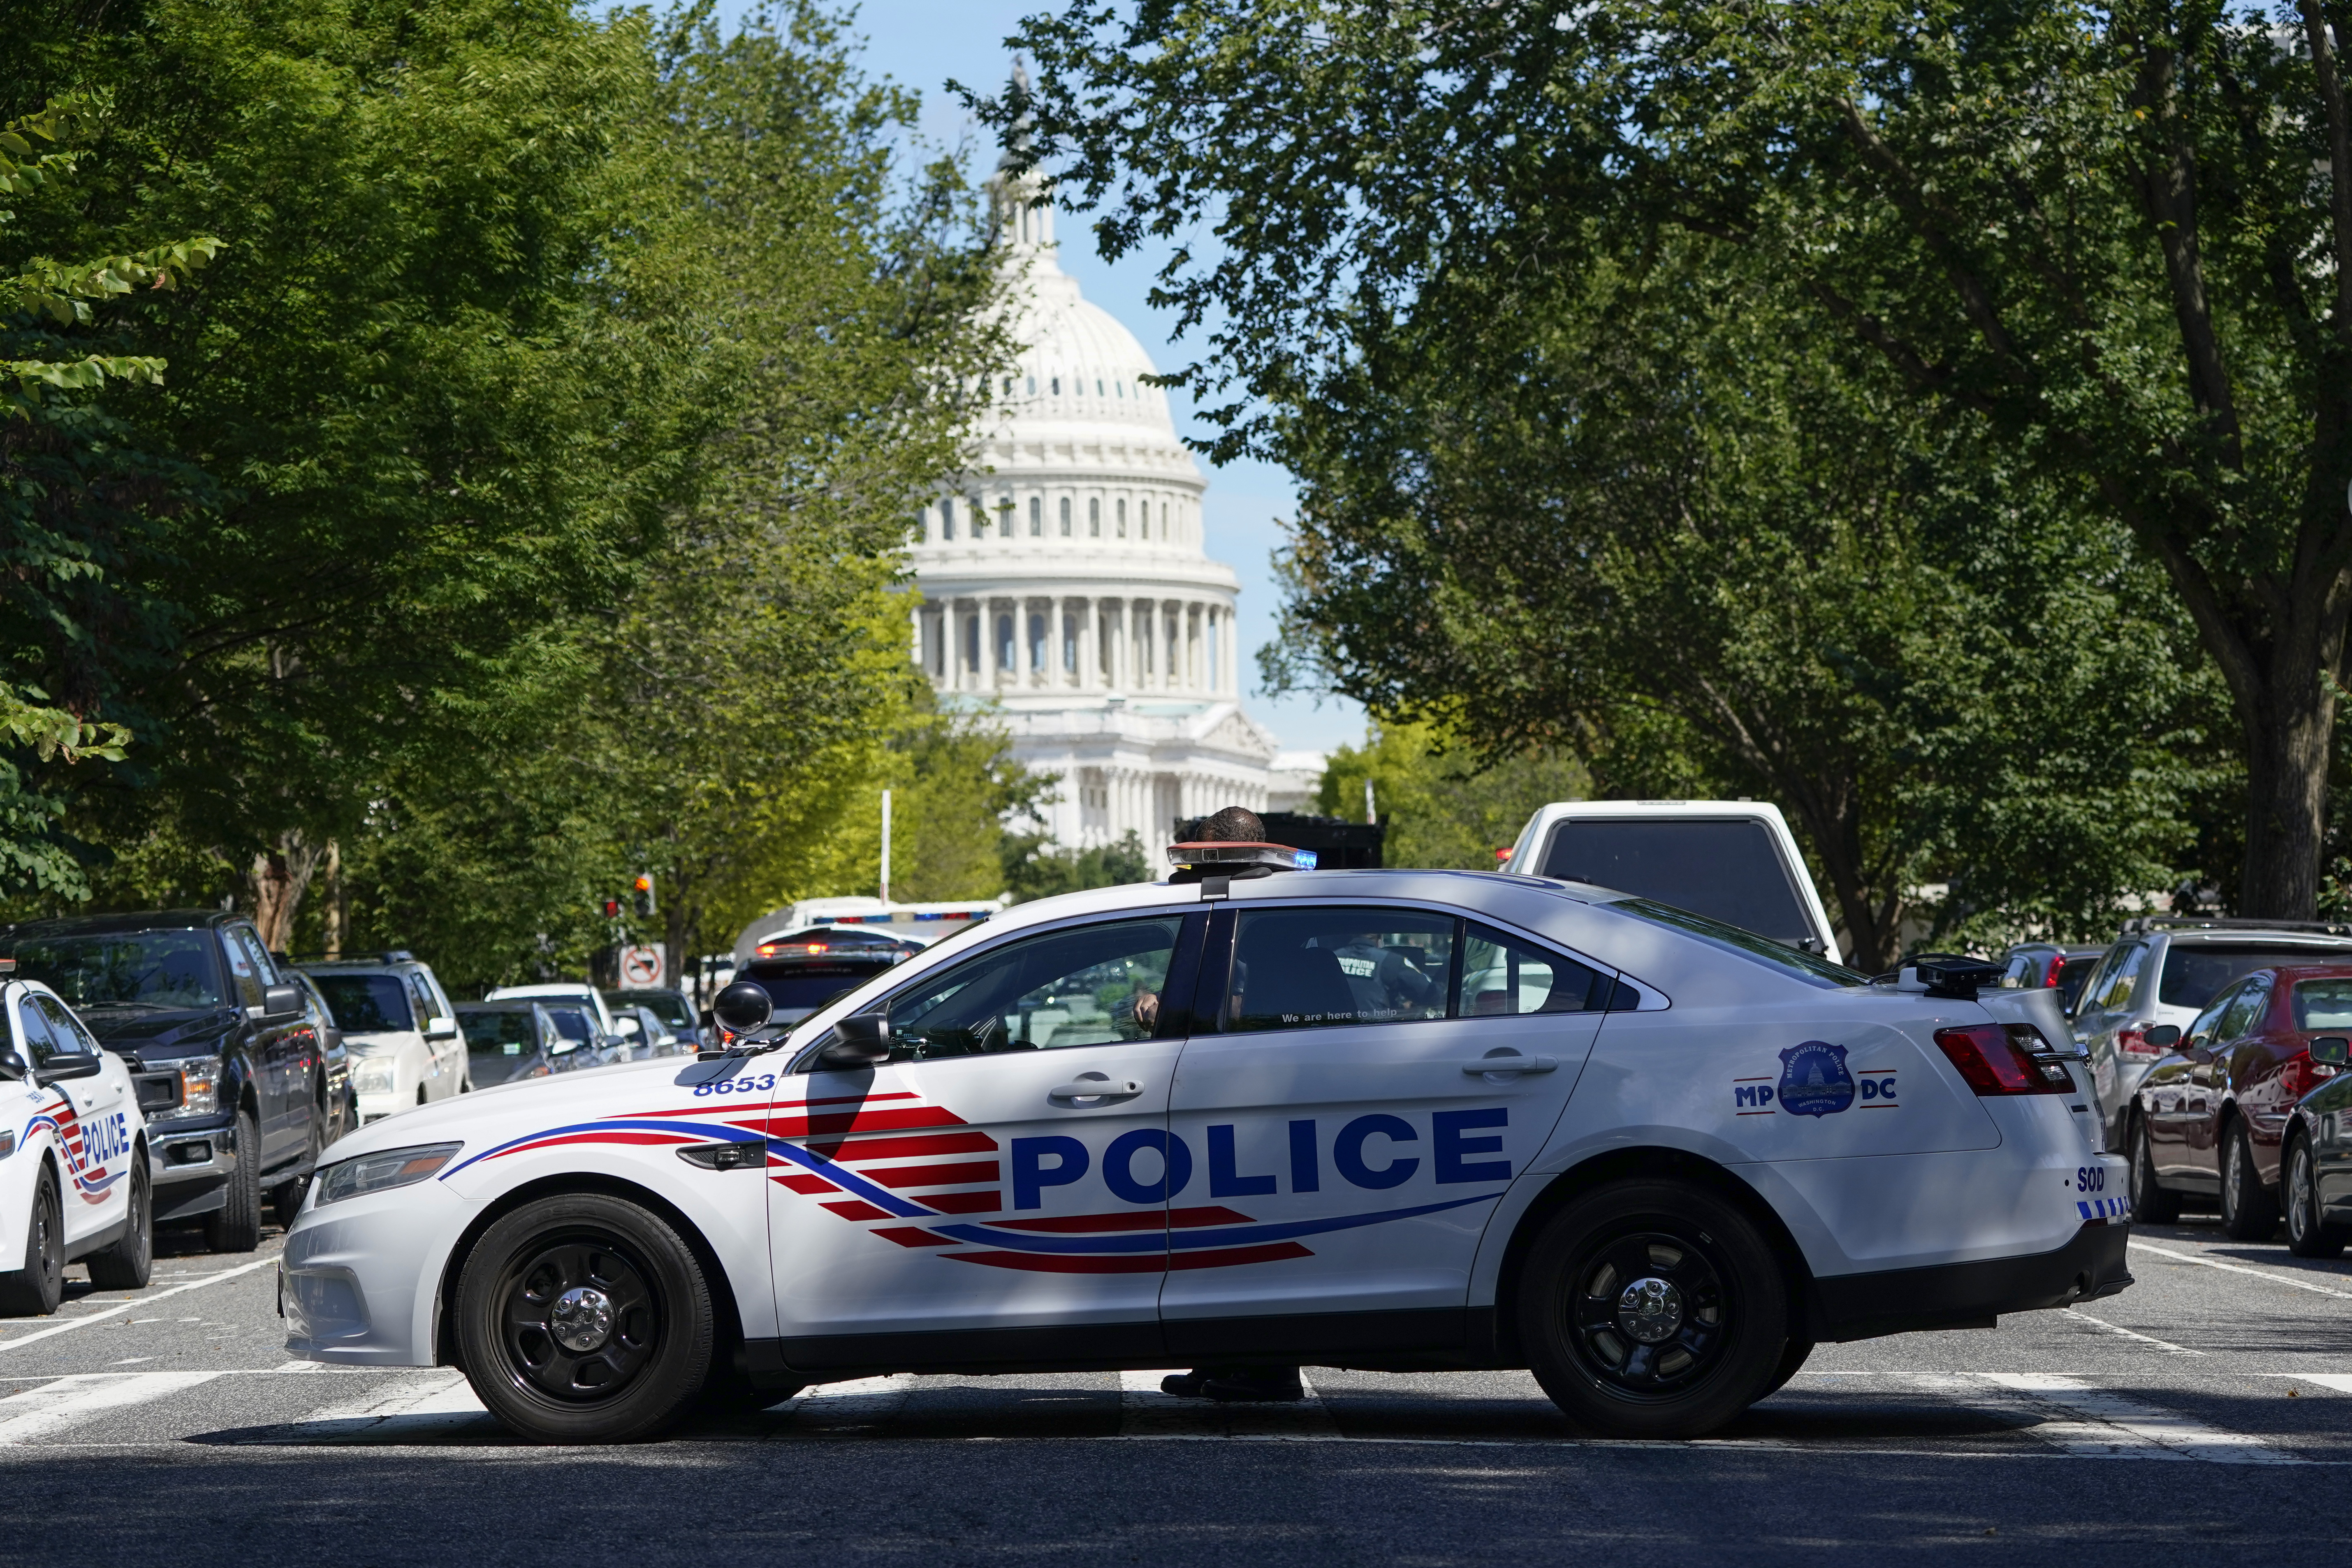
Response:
column 860, row 1157
column 93, row 1182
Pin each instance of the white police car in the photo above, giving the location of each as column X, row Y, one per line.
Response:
column 1385, row 1119
column 73, row 1156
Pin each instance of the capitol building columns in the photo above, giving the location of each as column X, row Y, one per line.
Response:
column 1064, row 585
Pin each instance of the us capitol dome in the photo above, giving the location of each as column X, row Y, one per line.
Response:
column 1063, row 575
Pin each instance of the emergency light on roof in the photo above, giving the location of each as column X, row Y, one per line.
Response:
column 769, row 949
column 1274, row 857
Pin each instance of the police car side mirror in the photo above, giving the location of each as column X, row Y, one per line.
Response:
column 66, row 1065
column 2164, row 1037
column 2331, row 1050
column 863, row 1041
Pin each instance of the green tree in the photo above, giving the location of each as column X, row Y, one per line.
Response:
column 2111, row 241
column 1443, row 804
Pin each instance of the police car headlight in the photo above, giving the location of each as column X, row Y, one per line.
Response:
column 199, row 1088
column 382, row 1172
column 376, row 1077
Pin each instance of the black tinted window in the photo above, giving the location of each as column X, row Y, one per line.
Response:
column 153, row 969
column 1318, row 968
column 2195, row 972
column 33, row 1025
column 499, row 1033
column 1729, row 870
column 808, row 986
column 366, row 1003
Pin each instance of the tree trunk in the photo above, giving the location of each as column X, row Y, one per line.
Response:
column 281, row 878
column 2290, row 737
column 338, row 911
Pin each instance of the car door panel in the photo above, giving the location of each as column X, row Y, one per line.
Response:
column 975, row 1187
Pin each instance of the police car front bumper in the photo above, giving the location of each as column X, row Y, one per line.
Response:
column 359, row 1284
column 1971, row 1295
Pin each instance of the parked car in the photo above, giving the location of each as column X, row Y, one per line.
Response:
column 400, row 1025
column 2042, row 965
column 2163, row 971
column 1731, row 861
column 69, row 1121
column 653, row 1037
column 338, row 1095
column 584, row 1031
column 2211, row 1115
column 799, row 984
column 2316, row 1183
column 228, row 1064
column 670, row 1006
column 576, row 992
column 509, row 1042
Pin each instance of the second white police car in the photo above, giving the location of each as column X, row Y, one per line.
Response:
column 1383, row 1120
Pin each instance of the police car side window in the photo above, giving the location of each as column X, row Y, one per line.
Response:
column 1320, row 968
column 66, row 1029
column 1505, row 976
column 1083, row 986
column 40, row 1044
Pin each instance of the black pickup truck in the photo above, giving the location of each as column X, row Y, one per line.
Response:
column 229, row 1065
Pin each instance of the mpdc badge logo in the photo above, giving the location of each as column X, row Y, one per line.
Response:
column 1814, row 1081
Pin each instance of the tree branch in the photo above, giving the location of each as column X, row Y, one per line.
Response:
column 2339, row 160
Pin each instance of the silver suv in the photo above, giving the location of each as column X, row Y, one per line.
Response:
column 2159, row 975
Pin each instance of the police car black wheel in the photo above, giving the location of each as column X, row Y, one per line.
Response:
column 584, row 1318
column 35, row 1291
column 1652, row 1309
column 130, row 1263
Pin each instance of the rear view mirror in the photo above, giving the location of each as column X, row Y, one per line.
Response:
column 2164, row 1037
column 863, row 1041
column 2331, row 1050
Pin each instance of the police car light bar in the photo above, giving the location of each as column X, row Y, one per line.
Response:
column 1276, row 857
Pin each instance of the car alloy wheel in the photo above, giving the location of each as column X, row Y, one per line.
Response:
column 584, row 1318
column 2151, row 1205
column 2306, row 1234
column 2249, row 1212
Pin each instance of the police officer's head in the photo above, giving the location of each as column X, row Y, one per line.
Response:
column 1234, row 824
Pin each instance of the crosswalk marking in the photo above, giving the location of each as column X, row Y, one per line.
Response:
column 2167, row 1346
column 2286, row 1279
column 1146, row 1412
column 37, row 1412
column 2163, row 1430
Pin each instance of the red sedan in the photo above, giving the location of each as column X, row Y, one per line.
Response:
column 2209, row 1116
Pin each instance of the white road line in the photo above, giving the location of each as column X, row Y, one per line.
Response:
column 35, row 1413
column 196, row 1284
column 2241, row 1269
column 2340, row 1382
column 2188, row 1438
column 2167, row 1346
column 1146, row 1412
column 422, row 1403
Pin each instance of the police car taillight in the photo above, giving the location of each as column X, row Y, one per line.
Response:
column 1997, row 1059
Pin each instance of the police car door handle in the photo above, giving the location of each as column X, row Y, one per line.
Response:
column 1100, row 1090
column 1509, row 1062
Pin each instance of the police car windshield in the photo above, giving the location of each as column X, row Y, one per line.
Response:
column 117, row 969
column 367, row 1003
column 1795, row 963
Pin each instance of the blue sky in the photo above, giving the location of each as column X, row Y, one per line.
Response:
column 920, row 44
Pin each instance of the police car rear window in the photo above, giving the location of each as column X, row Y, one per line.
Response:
column 1726, row 869
column 1797, row 964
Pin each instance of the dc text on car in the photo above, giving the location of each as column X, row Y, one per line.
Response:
column 1375, row 1118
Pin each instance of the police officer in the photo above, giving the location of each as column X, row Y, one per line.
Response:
column 1228, row 1384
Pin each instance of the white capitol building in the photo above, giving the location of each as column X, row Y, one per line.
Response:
column 1063, row 574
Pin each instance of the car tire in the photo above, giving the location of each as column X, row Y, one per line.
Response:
column 1653, row 1309
column 639, row 1348
column 2307, row 1233
column 286, row 1198
column 2151, row 1203
column 2249, row 1211
column 35, row 1291
column 236, row 1225
column 130, row 1263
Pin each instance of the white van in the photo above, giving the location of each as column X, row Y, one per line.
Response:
column 1733, row 859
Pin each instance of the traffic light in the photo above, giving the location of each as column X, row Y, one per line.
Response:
column 611, row 909
column 645, row 890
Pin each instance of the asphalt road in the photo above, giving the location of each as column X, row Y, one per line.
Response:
column 2203, row 1416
